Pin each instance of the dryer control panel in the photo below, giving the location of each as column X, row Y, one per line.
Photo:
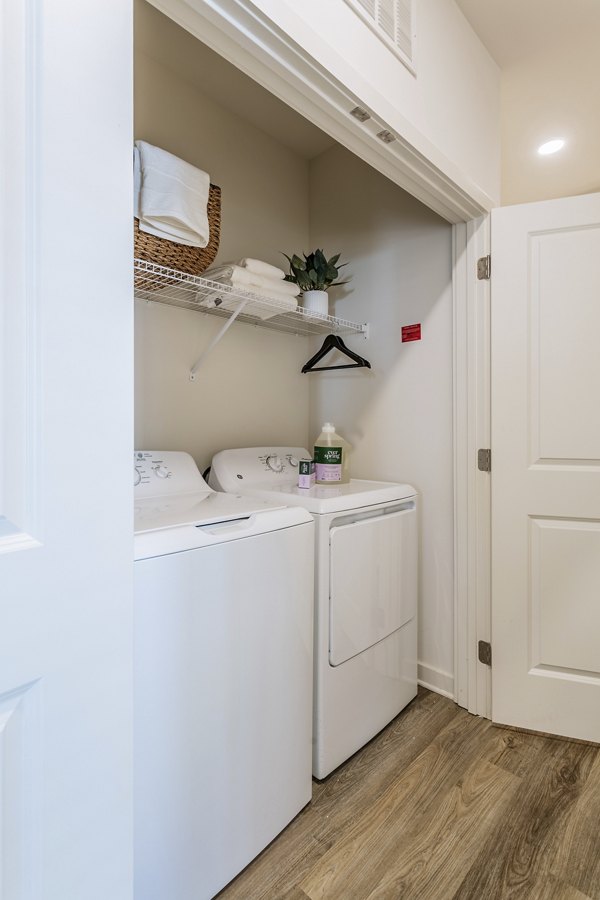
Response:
column 256, row 466
column 160, row 472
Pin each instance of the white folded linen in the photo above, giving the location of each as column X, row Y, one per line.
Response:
column 173, row 197
column 273, row 293
column 250, row 281
column 261, row 268
column 252, row 308
column 137, row 182
column 212, row 297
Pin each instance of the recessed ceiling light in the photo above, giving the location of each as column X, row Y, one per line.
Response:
column 551, row 147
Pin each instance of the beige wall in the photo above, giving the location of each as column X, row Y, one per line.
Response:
column 249, row 390
column 398, row 415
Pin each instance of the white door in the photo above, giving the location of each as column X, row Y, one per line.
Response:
column 546, row 466
column 65, row 449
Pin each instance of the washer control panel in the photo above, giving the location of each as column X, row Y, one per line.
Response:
column 254, row 466
column 159, row 472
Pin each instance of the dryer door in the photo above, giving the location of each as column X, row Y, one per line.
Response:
column 373, row 580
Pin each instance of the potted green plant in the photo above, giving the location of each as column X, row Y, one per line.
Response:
column 314, row 274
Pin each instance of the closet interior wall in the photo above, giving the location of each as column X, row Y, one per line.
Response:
column 295, row 191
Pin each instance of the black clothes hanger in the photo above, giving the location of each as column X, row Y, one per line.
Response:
column 334, row 342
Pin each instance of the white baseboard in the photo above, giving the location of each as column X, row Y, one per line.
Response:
column 436, row 680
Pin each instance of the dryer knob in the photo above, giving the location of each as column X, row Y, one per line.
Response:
column 161, row 471
column 275, row 463
column 292, row 460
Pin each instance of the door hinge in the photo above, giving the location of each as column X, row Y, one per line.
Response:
column 484, row 653
column 484, row 267
column 484, row 460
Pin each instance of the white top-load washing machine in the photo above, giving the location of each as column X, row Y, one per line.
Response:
column 365, row 593
column 223, row 677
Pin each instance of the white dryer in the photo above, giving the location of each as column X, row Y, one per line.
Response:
column 365, row 593
column 222, row 677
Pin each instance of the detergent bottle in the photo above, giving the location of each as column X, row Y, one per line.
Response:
column 332, row 457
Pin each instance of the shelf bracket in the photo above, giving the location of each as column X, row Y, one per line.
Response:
column 216, row 339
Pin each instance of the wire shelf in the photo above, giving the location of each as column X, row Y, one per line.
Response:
column 159, row 284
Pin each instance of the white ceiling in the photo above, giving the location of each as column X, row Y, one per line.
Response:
column 549, row 55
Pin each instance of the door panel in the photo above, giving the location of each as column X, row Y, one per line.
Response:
column 373, row 581
column 565, row 363
column 565, row 559
column 546, row 466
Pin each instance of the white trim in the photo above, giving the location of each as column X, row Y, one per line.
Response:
column 472, row 488
column 481, row 487
column 20, row 375
column 461, row 459
column 435, row 680
column 254, row 44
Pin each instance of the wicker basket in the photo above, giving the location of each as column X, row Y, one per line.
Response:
column 192, row 260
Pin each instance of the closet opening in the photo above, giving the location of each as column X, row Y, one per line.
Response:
column 288, row 187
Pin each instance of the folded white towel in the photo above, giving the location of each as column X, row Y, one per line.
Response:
column 274, row 293
column 137, row 182
column 173, row 197
column 261, row 268
column 251, row 281
column 284, row 302
column 252, row 308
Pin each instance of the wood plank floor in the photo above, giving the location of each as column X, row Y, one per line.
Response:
column 442, row 805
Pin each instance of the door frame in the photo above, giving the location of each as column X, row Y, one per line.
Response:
column 252, row 42
column 472, row 488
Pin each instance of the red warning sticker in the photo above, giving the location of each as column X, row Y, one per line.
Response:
column 411, row 333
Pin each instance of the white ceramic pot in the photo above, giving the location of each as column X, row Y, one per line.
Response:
column 316, row 302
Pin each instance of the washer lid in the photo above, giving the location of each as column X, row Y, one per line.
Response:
column 206, row 508
column 195, row 521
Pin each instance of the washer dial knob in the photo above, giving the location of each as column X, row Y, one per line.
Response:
column 137, row 477
column 292, row 461
column 275, row 463
column 161, row 471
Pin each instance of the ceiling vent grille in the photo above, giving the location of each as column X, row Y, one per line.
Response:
column 393, row 22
